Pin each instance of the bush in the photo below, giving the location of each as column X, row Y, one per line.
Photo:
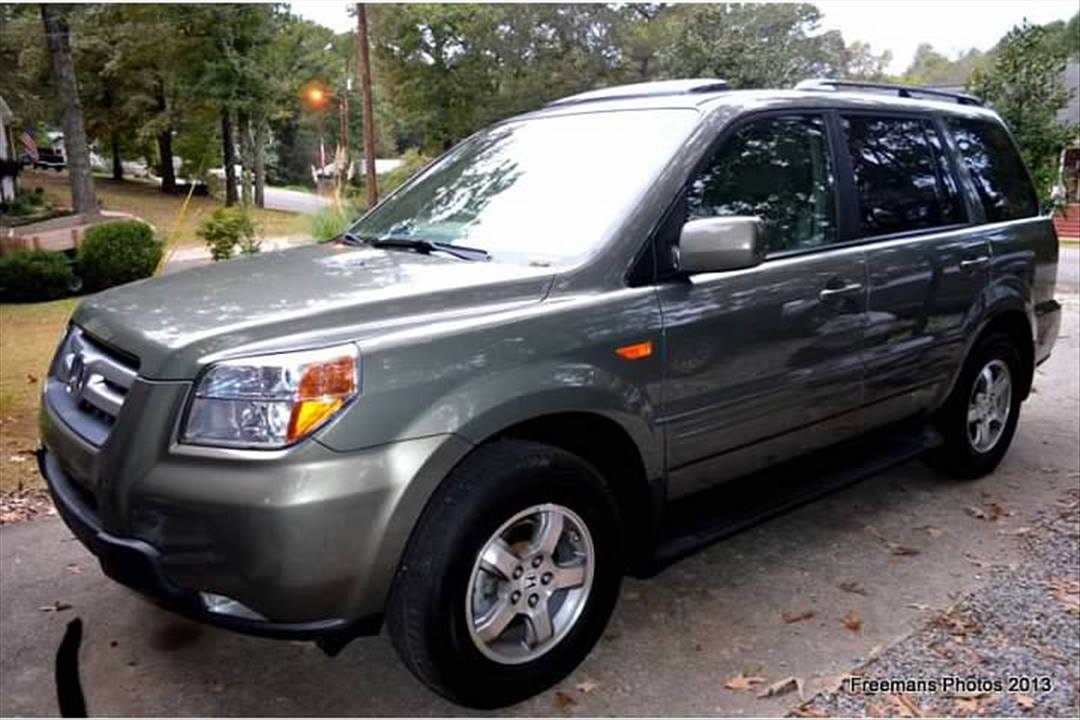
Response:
column 34, row 276
column 412, row 162
column 225, row 230
column 329, row 222
column 117, row 252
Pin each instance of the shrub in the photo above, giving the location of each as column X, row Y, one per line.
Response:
column 412, row 162
column 34, row 276
column 226, row 229
column 117, row 252
column 330, row 222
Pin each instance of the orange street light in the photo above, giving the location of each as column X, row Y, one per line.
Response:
column 315, row 96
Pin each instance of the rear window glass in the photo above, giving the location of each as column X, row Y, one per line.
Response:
column 902, row 176
column 996, row 169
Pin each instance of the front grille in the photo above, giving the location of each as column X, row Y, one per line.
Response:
column 89, row 384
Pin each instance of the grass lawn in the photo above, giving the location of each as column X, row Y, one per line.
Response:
column 148, row 202
column 28, row 338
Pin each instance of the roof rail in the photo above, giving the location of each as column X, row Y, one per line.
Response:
column 904, row 91
column 646, row 89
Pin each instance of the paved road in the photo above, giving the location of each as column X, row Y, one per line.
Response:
column 674, row 639
column 1069, row 268
column 295, row 201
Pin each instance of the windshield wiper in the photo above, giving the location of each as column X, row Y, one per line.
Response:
column 348, row 238
column 428, row 246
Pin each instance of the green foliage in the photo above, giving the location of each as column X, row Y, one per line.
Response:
column 227, row 230
column 27, row 202
column 929, row 67
column 117, row 252
column 329, row 222
column 412, row 162
column 1024, row 85
column 35, row 276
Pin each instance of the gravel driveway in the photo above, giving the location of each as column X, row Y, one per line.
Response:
column 810, row 595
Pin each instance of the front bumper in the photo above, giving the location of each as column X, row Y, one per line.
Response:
column 138, row 565
column 307, row 538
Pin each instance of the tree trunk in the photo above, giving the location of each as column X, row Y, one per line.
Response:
column 228, row 153
column 165, row 166
column 117, row 164
column 243, row 129
column 260, row 163
column 83, row 198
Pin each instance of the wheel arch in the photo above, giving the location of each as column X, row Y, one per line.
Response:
column 1014, row 320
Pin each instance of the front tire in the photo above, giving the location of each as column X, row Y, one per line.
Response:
column 510, row 576
column 979, row 419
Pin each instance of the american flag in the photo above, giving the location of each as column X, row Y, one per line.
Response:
column 27, row 139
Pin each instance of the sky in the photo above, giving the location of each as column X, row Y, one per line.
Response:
column 951, row 26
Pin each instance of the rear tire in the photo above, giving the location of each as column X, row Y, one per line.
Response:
column 547, row 529
column 979, row 419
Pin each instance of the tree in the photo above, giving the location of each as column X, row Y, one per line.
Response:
column 929, row 67
column 752, row 45
column 1024, row 84
column 76, row 148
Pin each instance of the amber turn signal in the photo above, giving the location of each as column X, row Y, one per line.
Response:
column 324, row 387
column 637, row 351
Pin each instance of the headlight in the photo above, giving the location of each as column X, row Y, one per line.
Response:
column 271, row 401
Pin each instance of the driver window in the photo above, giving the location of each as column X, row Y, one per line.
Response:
column 777, row 168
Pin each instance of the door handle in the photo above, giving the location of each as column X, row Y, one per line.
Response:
column 831, row 292
column 972, row 263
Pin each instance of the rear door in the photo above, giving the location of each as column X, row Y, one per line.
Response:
column 927, row 263
column 754, row 357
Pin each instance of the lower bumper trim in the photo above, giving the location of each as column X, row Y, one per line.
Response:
column 137, row 565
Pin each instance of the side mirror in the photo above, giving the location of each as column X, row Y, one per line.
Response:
column 721, row 243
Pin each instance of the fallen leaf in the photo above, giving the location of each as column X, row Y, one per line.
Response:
column 799, row 616
column 55, row 607
column 852, row 621
column 976, row 512
column 1016, row 531
column 1025, row 701
column 901, row 550
column 852, row 587
column 73, row 568
column 743, row 682
column 782, row 687
column 31, row 379
column 966, row 706
column 1067, row 593
column 933, row 531
column 807, row 711
column 956, row 625
column 918, row 606
column 564, row 701
column 586, row 686
column 905, row 706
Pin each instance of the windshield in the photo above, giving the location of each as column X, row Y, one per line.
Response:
column 541, row 191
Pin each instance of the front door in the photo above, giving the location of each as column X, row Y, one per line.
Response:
column 756, row 355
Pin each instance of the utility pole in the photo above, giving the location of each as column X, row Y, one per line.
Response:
column 364, row 62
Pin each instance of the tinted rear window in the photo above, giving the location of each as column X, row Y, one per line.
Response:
column 996, row 169
column 902, row 176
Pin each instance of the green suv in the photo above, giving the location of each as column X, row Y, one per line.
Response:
column 472, row 413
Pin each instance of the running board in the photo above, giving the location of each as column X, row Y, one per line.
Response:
column 706, row 517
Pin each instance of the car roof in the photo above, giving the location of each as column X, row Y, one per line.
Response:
column 708, row 94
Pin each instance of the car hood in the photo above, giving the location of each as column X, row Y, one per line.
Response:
column 296, row 298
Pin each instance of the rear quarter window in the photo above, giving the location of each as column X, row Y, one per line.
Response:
column 996, row 169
